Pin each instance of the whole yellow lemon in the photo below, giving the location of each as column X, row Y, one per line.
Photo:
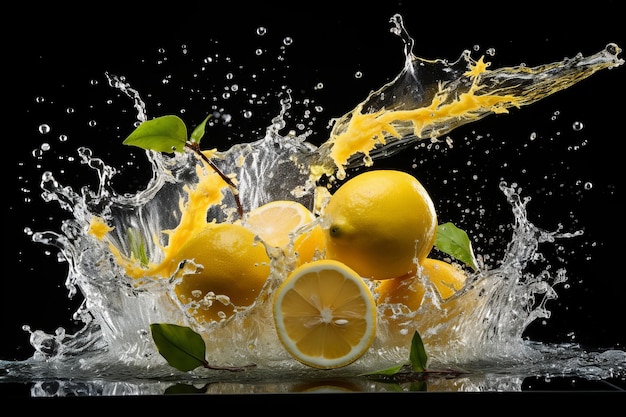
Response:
column 409, row 291
column 232, row 269
column 380, row 223
column 406, row 295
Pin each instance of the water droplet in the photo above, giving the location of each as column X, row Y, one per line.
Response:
column 259, row 52
column 44, row 129
column 358, row 74
column 62, row 138
column 577, row 126
column 261, row 30
column 39, row 99
column 288, row 41
column 247, row 114
column 92, row 123
column 45, row 146
column 588, row 185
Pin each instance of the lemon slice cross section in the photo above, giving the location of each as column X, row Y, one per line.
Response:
column 325, row 314
column 274, row 222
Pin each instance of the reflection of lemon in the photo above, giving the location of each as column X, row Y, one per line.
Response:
column 234, row 268
column 447, row 279
column 325, row 314
column 379, row 223
column 277, row 222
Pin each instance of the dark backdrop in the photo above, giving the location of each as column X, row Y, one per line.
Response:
column 61, row 54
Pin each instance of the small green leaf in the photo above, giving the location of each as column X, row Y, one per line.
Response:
column 418, row 355
column 387, row 372
column 137, row 246
column 163, row 134
column 455, row 242
column 183, row 348
column 198, row 132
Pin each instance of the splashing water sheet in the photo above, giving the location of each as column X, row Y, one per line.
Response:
column 519, row 151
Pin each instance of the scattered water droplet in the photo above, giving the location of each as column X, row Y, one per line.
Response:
column 44, row 129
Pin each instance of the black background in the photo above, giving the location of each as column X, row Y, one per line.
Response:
column 55, row 53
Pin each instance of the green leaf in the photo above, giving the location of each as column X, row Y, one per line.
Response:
column 455, row 242
column 163, row 134
column 417, row 359
column 198, row 132
column 137, row 246
column 418, row 355
column 387, row 372
column 183, row 348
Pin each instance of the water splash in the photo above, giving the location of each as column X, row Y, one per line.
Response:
column 482, row 325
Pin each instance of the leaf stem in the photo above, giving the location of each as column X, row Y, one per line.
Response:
column 228, row 368
column 194, row 146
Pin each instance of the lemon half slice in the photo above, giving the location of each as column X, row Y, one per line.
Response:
column 275, row 221
column 325, row 314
